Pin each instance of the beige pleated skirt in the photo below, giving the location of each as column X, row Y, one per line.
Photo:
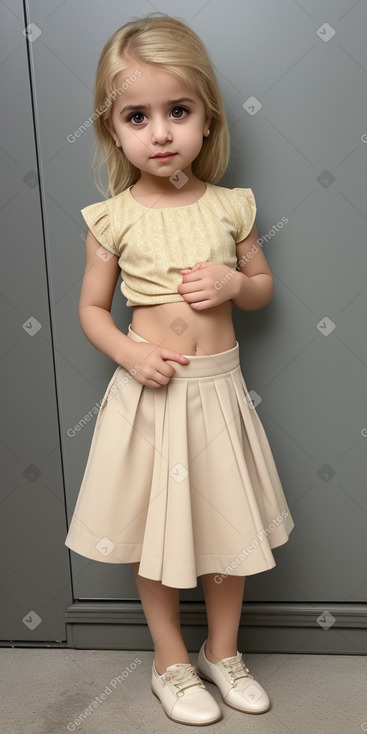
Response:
column 181, row 477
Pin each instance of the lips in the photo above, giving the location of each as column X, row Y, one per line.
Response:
column 164, row 155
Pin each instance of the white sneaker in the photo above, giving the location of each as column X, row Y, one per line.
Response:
column 183, row 695
column 237, row 686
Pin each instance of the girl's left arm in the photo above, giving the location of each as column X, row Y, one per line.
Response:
column 253, row 284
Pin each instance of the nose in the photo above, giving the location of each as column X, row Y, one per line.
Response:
column 161, row 131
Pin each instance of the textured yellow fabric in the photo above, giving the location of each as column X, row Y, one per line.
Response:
column 153, row 245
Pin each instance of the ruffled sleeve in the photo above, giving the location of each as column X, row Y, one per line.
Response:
column 245, row 212
column 97, row 218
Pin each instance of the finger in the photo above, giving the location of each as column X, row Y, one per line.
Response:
column 161, row 384
column 202, row 305
column 197, row 266
column 194, row 267
column 195, row 286
column 197, row 296
column 152, row 383
column 162, row 375
column 192, row 277
column 191, row 298
column 174, row 356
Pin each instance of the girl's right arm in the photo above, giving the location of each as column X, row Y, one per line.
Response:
column 98, row 287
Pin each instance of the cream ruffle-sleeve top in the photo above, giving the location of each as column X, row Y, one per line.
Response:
column 153, row 245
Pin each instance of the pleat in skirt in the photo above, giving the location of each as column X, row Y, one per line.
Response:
column 181, row 478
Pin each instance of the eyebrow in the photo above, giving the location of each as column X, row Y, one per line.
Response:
column 147, row 106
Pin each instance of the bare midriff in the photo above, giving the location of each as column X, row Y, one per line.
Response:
column 179, row 327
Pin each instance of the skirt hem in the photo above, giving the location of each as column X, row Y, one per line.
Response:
column 177, row 576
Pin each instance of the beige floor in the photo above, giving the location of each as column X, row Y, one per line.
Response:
column 43, row 691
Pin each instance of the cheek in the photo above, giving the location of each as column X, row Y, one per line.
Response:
column 130, row 140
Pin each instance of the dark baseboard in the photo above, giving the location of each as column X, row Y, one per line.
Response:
column 264, row 628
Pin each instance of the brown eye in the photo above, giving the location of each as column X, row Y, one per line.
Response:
column 180, row 111
column 135, row 115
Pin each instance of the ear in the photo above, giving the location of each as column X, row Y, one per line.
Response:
column 111, row 130
column 208, row 120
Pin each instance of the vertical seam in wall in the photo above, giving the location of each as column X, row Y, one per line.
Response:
column 42, row 209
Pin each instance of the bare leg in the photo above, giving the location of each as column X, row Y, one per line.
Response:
column 223, row 608
column 161, row 608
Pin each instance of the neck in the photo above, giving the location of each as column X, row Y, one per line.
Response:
column 148, row 184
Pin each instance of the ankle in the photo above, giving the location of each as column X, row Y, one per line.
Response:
column 216, row 653
column 169, row 656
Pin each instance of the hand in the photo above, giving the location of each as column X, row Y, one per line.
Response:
column 198, row 285
column 154, row 370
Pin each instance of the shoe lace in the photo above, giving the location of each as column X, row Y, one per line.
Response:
column 237, row 669
column 184, row 677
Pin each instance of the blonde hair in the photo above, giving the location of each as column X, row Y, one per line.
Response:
column 169, row 44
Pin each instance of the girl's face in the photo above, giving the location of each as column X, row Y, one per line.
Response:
column 158, row 113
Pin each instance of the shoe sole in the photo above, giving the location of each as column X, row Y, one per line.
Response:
column 190, row 723
column 244, row 711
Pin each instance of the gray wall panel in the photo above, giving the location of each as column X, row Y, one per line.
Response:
column 312, row 386
column 35, row 581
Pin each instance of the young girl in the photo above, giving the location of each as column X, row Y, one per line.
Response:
column 180, row 480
